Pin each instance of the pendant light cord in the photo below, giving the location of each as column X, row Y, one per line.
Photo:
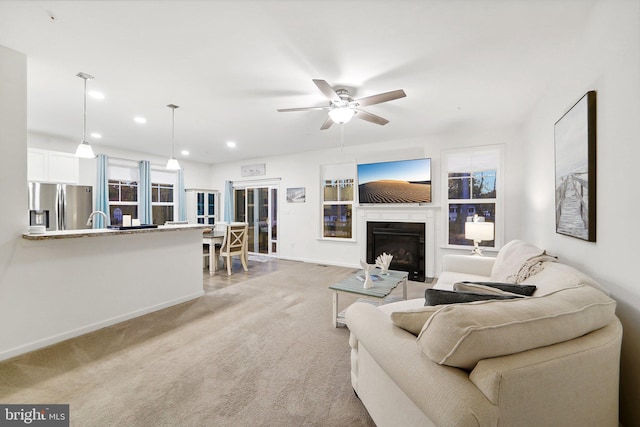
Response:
column 84, row 127
column 173, row 164
column 173, row 128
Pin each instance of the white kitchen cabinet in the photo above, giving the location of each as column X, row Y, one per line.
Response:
column 202, row 206
column 52, row 166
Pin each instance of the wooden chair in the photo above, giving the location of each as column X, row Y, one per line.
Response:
column 235, row 243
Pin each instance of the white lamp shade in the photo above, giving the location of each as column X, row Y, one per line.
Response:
column 341, row 114
column 173, row 164
column 85, row 151
column 481, row 231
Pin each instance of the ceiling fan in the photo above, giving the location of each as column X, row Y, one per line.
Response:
column 342, row 107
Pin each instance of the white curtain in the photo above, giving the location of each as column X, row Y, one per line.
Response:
column 144, row 190
column 228, row 201
column 102, row 192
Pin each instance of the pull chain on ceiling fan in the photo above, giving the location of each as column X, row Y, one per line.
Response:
column 342, row 107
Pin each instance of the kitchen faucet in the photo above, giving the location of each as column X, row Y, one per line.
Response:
column 90, row 220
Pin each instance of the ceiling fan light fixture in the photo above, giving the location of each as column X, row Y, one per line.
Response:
column 341, row 115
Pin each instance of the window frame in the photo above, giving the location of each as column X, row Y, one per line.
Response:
column 160, row 177
column 498, row 200
column 337, row 174
column 123, row 172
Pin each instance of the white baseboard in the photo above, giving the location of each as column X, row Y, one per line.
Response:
column 45, row 342
column 322, row 262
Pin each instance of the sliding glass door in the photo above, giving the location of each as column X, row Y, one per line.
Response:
column 259, row 207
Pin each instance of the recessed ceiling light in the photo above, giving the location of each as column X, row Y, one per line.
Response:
column 96, row 135
column 140, row 120
column 231, row 144
column 185, row 152
column 95, row 94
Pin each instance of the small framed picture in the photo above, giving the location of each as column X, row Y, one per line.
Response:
column 296, row 195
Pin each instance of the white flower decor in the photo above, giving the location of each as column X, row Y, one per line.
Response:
column 368, row 283
column 383, row 262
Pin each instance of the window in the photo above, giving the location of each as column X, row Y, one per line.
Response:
column 123, row 200
column 338, row 189
column 161, row 202
column 473, row 188
column 125, row 192
column 124, row 178
column 202, row 206
column 338, row 208
column 164, row 203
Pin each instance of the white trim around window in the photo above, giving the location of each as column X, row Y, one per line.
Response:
column 475, row 161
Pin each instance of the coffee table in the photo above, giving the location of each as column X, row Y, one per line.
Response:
column 380, row 290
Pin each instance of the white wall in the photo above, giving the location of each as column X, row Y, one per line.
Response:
column 13, row 157
column 57, row 289
column 299, row 223
column 606, row 59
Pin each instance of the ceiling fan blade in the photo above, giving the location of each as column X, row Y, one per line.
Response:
column 284, row 110
column 327, row 90
column 327, row 124
column 381, row 97
column 371, row 117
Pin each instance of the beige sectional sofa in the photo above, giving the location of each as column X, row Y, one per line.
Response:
column 550, row 359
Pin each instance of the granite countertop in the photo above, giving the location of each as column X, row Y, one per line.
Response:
column 101, row 232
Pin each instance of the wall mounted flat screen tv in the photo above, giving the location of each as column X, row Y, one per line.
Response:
column 400, row 182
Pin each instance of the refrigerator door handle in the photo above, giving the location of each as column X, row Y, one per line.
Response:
column 62, row 207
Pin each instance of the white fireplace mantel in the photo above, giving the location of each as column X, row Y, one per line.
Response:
column 401, row 214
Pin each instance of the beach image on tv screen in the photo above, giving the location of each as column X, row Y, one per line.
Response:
column 406, row 181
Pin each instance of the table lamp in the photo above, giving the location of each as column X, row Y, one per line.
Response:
column 478, row 230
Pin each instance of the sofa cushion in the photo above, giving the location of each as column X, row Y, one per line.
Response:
column 446, row 279
column 462, row 334
column 439, row 296
column 511, row 258
column 411, row 315
column 412, row 320
column 555, row 275
column 495, row 288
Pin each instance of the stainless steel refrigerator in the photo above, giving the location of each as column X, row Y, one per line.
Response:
column 60, row 206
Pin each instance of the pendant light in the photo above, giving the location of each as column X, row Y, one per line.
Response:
column 84, row 150
column 173, row 164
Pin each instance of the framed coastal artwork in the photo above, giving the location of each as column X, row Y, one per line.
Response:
column 296, row 195
column 575, row 167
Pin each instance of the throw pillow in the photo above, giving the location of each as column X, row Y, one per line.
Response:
column 462, row 334
column 440, row 296
column 495, row 287
column 412, row 320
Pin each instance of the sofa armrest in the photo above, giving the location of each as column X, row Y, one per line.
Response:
column 570, row 383
column 468, row 264
column 444, row 394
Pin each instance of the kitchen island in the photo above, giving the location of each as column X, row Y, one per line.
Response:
column 77, row 281
column 103, row 232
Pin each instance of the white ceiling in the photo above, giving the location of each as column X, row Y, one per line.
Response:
column 464, row 64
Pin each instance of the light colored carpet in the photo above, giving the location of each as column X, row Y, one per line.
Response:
column 258, row 353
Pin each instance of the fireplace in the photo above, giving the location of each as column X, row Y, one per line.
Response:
column 404, row 240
